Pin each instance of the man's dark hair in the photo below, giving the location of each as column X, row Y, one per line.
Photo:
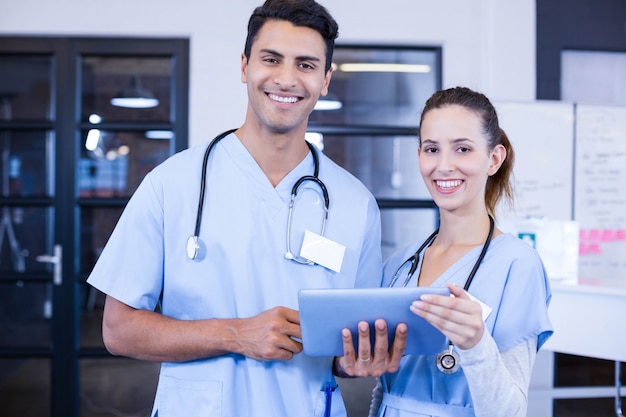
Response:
column 307, row 13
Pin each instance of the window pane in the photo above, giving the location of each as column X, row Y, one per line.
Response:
column 380, row 86
column 25, row 88
column 596, row 407
column 579, row 371
column 593, row 77
column 25, row 387
column 113, row 163
column 96, row 225
column 117, row 387
column 106, row 78
column 25, row 235
column 26, row 312
column 25, row 164
column 387, row 165
column 91, row 317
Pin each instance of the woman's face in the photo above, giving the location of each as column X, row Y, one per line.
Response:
column 454, row 158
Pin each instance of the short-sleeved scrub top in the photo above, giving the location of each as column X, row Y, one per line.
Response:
column 241, row 271
column 512, row 281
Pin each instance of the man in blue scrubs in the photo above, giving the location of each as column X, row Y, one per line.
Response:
column 227, row 328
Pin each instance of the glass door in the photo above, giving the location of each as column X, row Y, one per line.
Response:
column 71, row 155
column 31, row 258
column 126, row 128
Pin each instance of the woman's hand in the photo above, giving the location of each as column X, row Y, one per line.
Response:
column 459, row 317
column 367, row 362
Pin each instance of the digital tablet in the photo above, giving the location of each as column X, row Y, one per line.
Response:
column 325, row 312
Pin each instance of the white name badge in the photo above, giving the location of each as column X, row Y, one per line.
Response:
column 486, row 309
column 322, row 251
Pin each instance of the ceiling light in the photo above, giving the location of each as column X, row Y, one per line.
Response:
column 328, row 102
column 159, row 134
column 379, row 67
column 135, row 97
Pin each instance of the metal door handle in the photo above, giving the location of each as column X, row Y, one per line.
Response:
column 57, row 276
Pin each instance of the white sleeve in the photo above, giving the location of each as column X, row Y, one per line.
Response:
column 377, row 398
column 498, row 381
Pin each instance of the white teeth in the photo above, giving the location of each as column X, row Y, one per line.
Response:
column 448, row 184
column 281, row 99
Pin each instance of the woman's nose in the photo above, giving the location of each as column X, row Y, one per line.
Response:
column 446, row 163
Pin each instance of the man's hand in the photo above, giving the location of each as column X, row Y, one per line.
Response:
column 367, row 362
column 269, row 335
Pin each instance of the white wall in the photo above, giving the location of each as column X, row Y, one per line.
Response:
column 488, row 45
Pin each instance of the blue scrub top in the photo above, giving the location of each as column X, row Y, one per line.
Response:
column 512, row 281
column 241, row 271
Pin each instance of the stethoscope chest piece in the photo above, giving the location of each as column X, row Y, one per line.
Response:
column 448, row 361
column 193, row 247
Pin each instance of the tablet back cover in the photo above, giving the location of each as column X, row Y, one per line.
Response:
column 325, row 312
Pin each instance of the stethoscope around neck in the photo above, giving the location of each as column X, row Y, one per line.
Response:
column 413, row 260
column 193, row 242
column 447, row 361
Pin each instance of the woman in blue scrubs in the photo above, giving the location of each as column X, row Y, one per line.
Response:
column 497, row 320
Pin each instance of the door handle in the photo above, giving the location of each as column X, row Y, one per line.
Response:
column 57, row 275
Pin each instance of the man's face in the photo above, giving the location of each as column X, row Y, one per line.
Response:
column 284, row 75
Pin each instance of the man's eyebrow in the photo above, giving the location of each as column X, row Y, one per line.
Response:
column 308, row 58
column 299, row 58
column 271, row 51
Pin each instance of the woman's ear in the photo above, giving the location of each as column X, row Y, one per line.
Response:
column 498, row 155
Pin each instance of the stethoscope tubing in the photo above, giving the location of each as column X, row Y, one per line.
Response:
column 205, row 162
column 193, row 245
column 415, row 258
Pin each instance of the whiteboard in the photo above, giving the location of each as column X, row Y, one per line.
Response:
column 542, row 135
column 600, row 191
column 571, row 165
